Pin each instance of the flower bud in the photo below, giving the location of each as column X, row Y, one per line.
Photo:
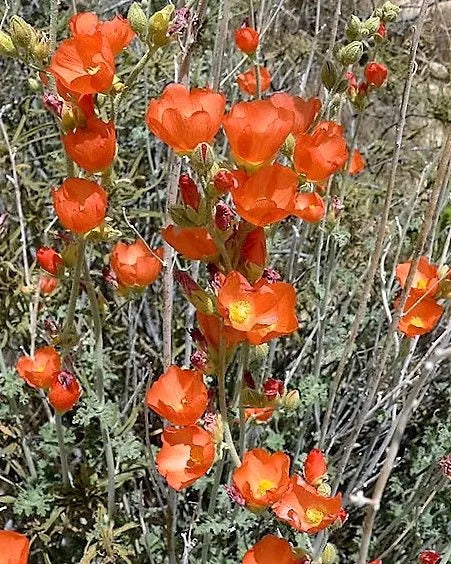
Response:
column 324, row 489
column 390, row 12
column 53, row 104
column 353, row 28
column 445, row 466
column 203, row 158
column 235, row 495
column 223, row 216
column 22, row 34
column 189, row 192
column 351, row 53
column 224, row 181
column 50, row 261
column 273, row 388
column 138, row 20
column 69, row 254
column 34, row 84
column 372, row 25
column 381, row 32
column 158, row 26
column 444, row 290
column 292, row 401
column 328, row 74
column 199, row 360
column 376, row 74
column 180, row 21
column 329, row 554
column 288, row 146
column 7, row 48
column 429, row 557
column 200, row 299
column 68, row 119
column 40, row 49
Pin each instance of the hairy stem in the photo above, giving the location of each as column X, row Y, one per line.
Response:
column 63, row 455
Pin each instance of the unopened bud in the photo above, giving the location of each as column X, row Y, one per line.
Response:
column 224, row 181
column 69, row 254
column 53, row 104
column 199, row 360
column 34, row 84
column 353, row 28
column 273, row 388
column 138, row 20
column 329, row 554
column 22, row 34
column 328, row 74
column 159, row 25
column 68, row 119
column 200, row 299
column 189, row 192
column 390, row 12
column 235, row 495
column 350, row 54
column 292, row 400
column 249, row 379
column 372, row 25
column 203, row 158
column 288, row 146
column 324, row 489
column 444, row 290
column 7, row 48
column 117, row 85
column 40, row 49
column 445, row 466
column 180, row 21
column 223, row 216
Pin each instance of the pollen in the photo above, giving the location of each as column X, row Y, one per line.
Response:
column 314, row 516
column 422, row 284
column 92, row 70
column 264, row 486
column 416, row 321
column 239, row 311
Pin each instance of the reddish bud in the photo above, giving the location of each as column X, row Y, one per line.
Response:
column 273, row 388
column 249, row 380
column 382, row 30
column 429, row 557
column 189, row 192
column 49, row 260
column 199, row 360
column 186, row 282
column 47, row 284
column 216, row 276
column 51, row 327
column 180, row 21
column 235, row 495
column 223, row 216
column 246, row 39
column 110, row 277
column 315, row 467
column 64, row 392
column 224, row 181
column 198, row 337
column 53, row 104
column 337, row 206
column 445, row 466
column 376, row 74
column 271, row 275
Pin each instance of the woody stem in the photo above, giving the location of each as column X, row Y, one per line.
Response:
column 63, row 455
column 222, row 399
column 131, row 79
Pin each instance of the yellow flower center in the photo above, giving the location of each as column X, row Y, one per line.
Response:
column 181, row 405
column 239, row 311
column 92, row 70
column 422, row 284
column 416, row 321
column 314, row 516
column 264, row 486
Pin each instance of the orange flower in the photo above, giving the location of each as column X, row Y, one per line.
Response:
column 426, row 279
column 246, row 39
column 80, row 204
column 357, row 163
column 266, row 196
column 194, row 243
column 14, row 548
column 210, row 327
column 271, row 549
column 92, row 146
column 179, row 395
column 305, row 510
column 284, row 314
column 64, row 392
column 262, row 478
column 247, row 81
column 253, row 250
column 48, row 284
column 376, row 74
column 182, row 118
column 421, row 314
column 309, row 206
column 256, row 131
column 117, row 31
column 40, row 371
column 321, row 153
column 84, row 64
column 135, row 265
column 49, row 260
column 186, row 455
column 259, row 414
column 263, row 311
column 304, row 111
column 315, row 467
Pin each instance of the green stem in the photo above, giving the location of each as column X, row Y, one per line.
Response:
column 100, row 389
column 70, row 314
column 222, row 399
column 211, row 507
column 131, row 79
column 243, row 367
column 63, row 455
